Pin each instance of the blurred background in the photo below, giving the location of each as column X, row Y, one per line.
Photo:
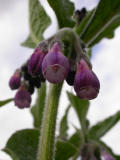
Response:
column 14, row 28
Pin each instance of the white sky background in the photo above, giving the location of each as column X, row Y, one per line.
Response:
column 14, row 30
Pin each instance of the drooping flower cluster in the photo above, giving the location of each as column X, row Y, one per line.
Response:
column 52, row 65
column 26, row 79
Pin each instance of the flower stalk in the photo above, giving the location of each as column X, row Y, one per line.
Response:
column 46, row 146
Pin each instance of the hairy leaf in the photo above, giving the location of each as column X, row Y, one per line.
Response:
column 64, row 150
column 104, row 126
column 4, row 102
column 64, row 125
column 80, row 106
column 29, row 43
column 102, row 24
column 39, row 21
column 37, row 109
column 23, row 144
column 63, row 10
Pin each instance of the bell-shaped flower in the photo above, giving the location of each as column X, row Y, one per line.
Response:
column 15, row 80
column 55, row 66
column 22, row 98
column 35, row 61
column 86, row 83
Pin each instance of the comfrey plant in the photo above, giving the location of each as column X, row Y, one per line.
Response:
column 65, row 56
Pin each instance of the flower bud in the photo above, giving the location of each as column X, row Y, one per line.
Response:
column 86, row 83
column 55, row 66
column 107, row 156
column 22, row 98
column 15, row 80
column 70, row 77
column 35, row 61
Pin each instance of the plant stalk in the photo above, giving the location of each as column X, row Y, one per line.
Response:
column 46, row 146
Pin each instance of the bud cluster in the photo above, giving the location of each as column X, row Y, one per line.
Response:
column 27, row 78
column 52, row 65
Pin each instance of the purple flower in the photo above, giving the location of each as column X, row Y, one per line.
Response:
column 15, row 80
column 22, row 98
column 86, row 83
column 55, row 66
column 107, row 156
column 35, row 61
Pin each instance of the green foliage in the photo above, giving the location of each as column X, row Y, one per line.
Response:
column 64, row 150
column 39, row 21
column 64, row 11
column 64, row 125
column 4, row 102
column 104, row 126
column 102, row 24
column 77, row 139
column 29, row 42
column 37, row 109
column 23, row 144
column 80, row 106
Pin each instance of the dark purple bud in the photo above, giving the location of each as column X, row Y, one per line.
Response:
column 31, row 89
column 35, row 61
column 55, row 66
column 86, row 83
column 107, row 156
column 70, row 78
column 15, row 80
column 42, row 79
column 35, row 81
column 22, row 98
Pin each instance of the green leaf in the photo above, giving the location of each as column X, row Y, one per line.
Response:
column 101, row 128
column 29, row 43
column 64, row 125
column 4, row 102
column 77, row 139
column 64, row 150
column 63, row 10
column 102, row 24
column 80, row 106
column 23, row 144
column 37, row 109
column 39, row 21
column 103, row 145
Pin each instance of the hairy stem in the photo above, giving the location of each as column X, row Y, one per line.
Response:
column 47, row 137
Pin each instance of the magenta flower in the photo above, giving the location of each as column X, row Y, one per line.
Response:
column 35, row 61
column 55, row 66
column 15, row 80
column 86, row 83
column 22, row 98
